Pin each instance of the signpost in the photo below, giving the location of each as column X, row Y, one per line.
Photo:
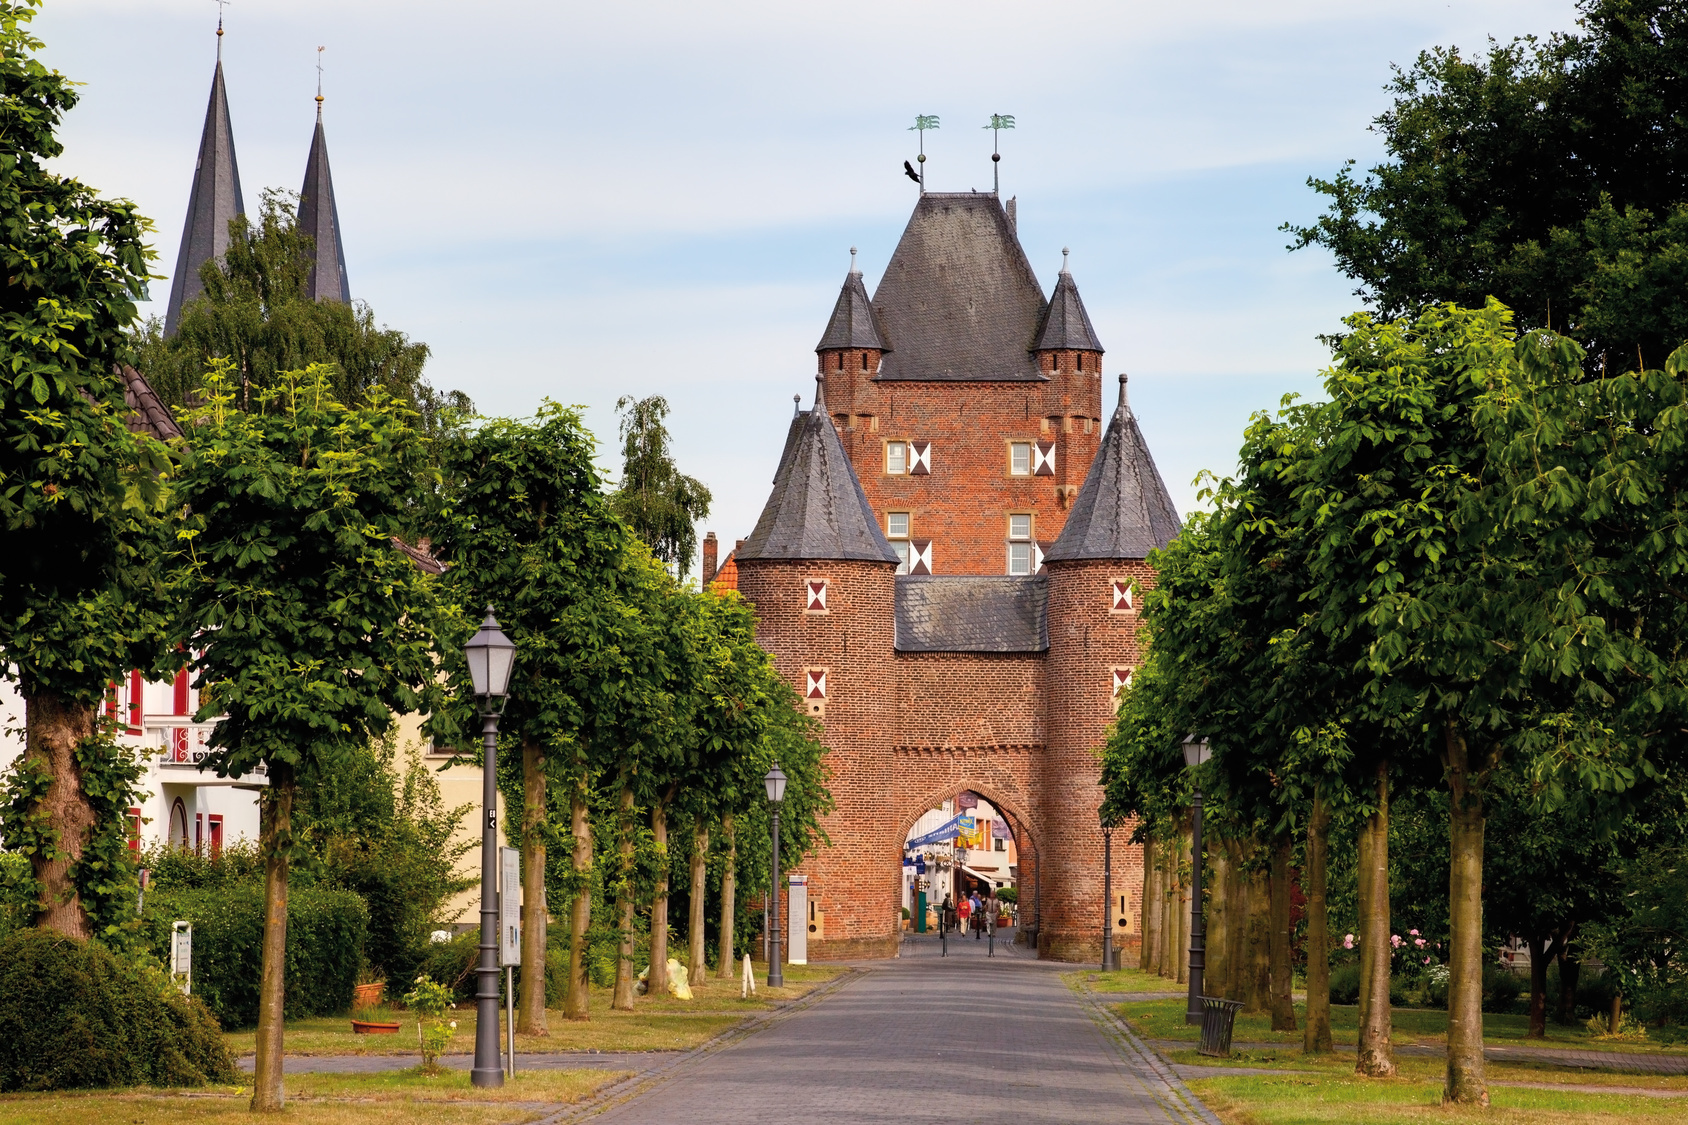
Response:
column 181, row 956
column 510, row 936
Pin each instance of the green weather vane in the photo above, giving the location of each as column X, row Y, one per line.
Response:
column 998, row 122
column 922, row 122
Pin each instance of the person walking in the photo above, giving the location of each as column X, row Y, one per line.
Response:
column 946, row 917
column 976, row 908
column 965, row 911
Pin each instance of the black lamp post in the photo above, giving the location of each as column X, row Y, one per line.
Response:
column 1109, row 823
column 775, row 782
column 1196, row 752
column 491, row 655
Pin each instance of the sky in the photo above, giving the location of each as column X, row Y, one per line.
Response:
column 584, row 201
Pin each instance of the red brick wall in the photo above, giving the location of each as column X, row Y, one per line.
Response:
column 1086, row 641
column 947, row 699
column 852, row 883
column 962, row 506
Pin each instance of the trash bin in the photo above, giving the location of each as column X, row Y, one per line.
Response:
column 1114, row 959
column 1217, row 1017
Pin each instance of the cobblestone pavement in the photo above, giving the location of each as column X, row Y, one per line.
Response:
column 1635, row 1063
column 966, row 945
column 925, row 1039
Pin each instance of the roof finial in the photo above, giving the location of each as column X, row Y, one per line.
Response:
column 923, row 122
column 796, row 405
column 1066, row 272
column 820, row 393
column 998, row 122
column 1124, row 406
column 221, row 4
column 319, row 52
column 853, row 268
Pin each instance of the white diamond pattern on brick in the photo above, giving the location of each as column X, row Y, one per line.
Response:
column 919, row 458
column 815, row 686
column 1121, row 596
column 920, row 556
column 1043, row 459
column 817, row 596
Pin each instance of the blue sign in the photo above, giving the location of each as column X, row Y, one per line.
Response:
column 920, row 866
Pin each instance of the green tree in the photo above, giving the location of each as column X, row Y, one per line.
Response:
column 81, row 498
column 661, row 504
column 526, row 528
column 1545, row 173
column 256, row 313
column 307, row 629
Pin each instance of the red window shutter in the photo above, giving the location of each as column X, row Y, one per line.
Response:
column 182, row 692
column 137, row 688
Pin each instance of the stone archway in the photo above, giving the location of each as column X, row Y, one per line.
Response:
column 1013, row 810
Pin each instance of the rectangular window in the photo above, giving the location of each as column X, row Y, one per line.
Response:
column 1020, row 458
column 1020, row 526
column 1019, row 558
column 896, row 525
column 896, row 458
column 901, row 547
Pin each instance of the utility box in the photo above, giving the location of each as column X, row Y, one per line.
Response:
column 797, row 910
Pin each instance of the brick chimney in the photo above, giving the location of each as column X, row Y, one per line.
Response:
column 709, row 559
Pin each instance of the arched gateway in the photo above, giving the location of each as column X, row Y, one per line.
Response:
column 952, row 604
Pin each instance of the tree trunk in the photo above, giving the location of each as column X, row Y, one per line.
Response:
column 576, row 1004
column 1236, row 926
column 1614, row 1022
column 1283, row 1008
column 622, row 999
column 1181, row 951
column 1376, row 1055
column 729, row 889
column 1465, row 1081
column 1257, row 957
column 277, row 836
column 1316, row 1037
column 656, row 983
column 1146, row 942
column 1538, row 986
column 1169, row 905
column 530, row 1007
column 1569, row 970
column 1218, row 973
column 696, row 967
column 53, row 730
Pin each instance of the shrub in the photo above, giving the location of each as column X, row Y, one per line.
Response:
column 1345, row 984
column 74, row 1015
column 1008, row 894
column 1501, row 988
column 452, row 963
column 326, row 929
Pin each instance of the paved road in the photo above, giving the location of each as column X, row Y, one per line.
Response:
column 922, row 1039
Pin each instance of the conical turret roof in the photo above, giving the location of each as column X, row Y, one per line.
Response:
column 1066, row 326
column 214, row 200
column 854, row 323
column 817, row 509
column 1122, row 511
column 319, row 217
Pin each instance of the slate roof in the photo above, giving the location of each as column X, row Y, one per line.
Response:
column 959, row 300
column 147, row 412
column 319, row 217
column 953, row 613
column 214, row 200
column 1122, row 511
column 1066, row 326
column 853, row 323
column 817, row 509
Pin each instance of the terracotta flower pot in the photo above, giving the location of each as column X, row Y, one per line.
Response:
column 363, row 1027
column 367, row 994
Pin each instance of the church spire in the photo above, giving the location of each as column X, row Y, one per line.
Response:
column 853, row 323
column 213, row 202
column 319, row 217
column 1123, row 510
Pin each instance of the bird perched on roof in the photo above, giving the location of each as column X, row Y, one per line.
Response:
column 908, row 170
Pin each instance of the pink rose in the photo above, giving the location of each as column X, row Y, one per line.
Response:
column 1419, row 942
column 1414, row 933
column 1427, row 960
column 1348, row 941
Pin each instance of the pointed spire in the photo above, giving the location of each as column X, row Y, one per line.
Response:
column 1123, row 510
column 853, row 324
column 1066, row 326
column 214, row 200
column 319, row 217
column 817, row 509
column 820, row 392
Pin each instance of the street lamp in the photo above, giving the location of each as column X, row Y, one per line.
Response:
column 1110, row 821
column 1196, row 752
column 490, row 655
column 775, row 782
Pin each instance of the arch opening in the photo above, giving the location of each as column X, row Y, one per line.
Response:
column 968, row 862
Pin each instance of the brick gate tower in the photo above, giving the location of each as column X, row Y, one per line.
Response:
column 953, row 605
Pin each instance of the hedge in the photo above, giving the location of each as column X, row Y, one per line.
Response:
column 75, row 1015
column 326, row 931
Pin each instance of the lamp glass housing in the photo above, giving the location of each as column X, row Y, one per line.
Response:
column 491, row 655
column 775, row 782
column 1196, row 751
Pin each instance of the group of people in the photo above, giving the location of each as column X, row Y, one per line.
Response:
column 972, row 913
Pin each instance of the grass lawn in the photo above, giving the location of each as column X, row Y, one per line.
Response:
column 1124, row 980
column 1341, row 1066
column 1310, row 1099
column 1164, row 1019
column 657, row 1023
column 392, row 1098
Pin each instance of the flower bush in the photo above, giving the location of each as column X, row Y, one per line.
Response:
column 430, row 1000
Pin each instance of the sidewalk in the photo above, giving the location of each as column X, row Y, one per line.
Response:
column 1617, row 1061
